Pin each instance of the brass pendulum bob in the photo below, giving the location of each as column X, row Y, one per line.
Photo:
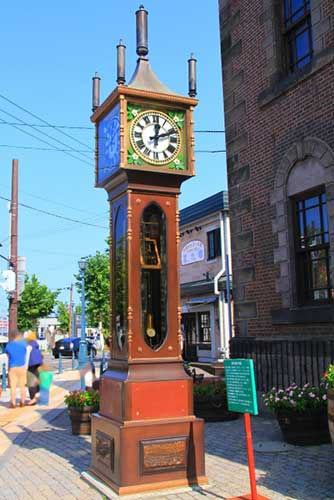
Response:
column 150, row 332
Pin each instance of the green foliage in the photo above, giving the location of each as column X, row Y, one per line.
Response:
column 37, row 301
column 295, row 398
column 328, row 377
column 132, row 111
column 97, row 290
column 133, row 158
column 63, row 315
column 178, row 118
column 79, row 399
column 178, row 163
column 215, row 388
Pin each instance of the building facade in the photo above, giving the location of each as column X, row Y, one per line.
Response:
column 278, row 80
column 204, row 258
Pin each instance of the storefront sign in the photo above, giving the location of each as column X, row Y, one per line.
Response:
column 240, row 384
column 192, row 252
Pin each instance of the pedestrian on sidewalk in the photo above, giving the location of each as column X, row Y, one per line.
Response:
column 35, row 361
column 45, row 381
column 16, row 351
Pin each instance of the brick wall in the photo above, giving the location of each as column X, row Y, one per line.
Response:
column 270, row 115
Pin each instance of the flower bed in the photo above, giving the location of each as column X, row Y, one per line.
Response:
column 210, row 400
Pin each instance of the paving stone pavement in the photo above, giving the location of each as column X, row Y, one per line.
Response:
column 46, row 460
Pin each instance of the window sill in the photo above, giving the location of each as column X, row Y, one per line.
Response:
column 302, row 315
column 290, row 81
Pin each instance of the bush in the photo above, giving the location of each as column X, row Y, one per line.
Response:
column 216, row 388
column 79, row 399
column 295, row 398
column 328, row 377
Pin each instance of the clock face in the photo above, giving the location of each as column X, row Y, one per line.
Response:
column 155, row 137
column 109, row 144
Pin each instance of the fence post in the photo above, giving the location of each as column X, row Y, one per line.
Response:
column 102, row 364
column 73, row 360
column 4, row 377
column 60, row 364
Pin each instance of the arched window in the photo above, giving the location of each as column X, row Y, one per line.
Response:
column 153, row 276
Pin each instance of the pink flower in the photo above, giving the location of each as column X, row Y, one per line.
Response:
column 324, row 397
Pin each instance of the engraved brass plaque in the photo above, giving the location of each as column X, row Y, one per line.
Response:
column 159, row 455
column 105, row 449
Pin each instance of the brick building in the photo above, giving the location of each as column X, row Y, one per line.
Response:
column 204, row 253
column 278, row 80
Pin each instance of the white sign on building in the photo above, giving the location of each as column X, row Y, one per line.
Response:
column 192, row 252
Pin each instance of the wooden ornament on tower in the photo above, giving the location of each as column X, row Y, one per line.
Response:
column 145, row 436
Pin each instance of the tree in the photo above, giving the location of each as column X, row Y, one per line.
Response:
column 37, row 301
column 97, row 290
column 63, row 314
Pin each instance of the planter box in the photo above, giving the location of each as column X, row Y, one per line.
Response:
column 304, row 429
column 213, row 409
column 81, row 419
column 330, row 401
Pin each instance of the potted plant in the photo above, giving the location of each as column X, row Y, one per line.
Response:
column 328, row 379
column 210, row 401
column 81, row 404
column 301, row 413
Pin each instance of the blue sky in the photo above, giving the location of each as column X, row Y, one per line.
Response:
column 50, row 51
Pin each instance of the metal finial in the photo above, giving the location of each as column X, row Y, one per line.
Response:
column 121, row 63
column 192, row 91
column 96, row 92
column 141, row 24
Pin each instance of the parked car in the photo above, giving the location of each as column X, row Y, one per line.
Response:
column 3, row 355
column 67, row 345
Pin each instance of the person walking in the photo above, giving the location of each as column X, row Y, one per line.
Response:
column 16, row 351
column 35, row 361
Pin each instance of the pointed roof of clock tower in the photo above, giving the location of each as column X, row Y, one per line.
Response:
column 144, row 77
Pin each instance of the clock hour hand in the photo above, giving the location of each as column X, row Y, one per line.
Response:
column 165, row 134
column 156, row 134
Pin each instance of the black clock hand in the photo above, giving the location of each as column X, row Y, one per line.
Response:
column 156, row 134
column 165, row 134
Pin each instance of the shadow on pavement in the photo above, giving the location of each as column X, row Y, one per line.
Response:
column 301, row 472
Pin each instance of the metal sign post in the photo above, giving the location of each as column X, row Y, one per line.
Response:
column 241, row 397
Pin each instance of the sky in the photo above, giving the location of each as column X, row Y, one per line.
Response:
column 50, row 51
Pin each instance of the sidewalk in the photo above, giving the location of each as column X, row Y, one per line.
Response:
column 44, row 460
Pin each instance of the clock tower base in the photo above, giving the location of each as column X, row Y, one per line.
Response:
column 145, row 455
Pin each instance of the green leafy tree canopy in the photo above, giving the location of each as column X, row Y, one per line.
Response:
column 63, row 314
column 37, row 301
column 97, row 290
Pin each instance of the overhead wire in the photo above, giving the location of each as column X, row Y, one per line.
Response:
column 42, row 120
column 56, row 215
column 39, row 131
column 46, row 142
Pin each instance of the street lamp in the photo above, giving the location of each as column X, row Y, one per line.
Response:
column 82, row 346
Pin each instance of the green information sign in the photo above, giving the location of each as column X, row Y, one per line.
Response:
column 240, row 383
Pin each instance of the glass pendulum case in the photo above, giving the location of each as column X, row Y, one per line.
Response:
column 153, row 276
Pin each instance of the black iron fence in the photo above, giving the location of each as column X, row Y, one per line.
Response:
column 278, row 363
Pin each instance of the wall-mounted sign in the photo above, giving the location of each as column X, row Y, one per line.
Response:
column 192, row 252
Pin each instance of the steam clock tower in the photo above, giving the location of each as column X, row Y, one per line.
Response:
column 145, row 436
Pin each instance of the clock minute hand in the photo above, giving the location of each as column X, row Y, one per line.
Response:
column 165, row 134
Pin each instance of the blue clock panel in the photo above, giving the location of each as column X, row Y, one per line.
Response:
column 108, row 145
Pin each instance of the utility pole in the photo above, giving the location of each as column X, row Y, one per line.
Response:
column 13, row 249
column 70, row 311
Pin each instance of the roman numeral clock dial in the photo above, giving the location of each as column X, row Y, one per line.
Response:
column 155, row 137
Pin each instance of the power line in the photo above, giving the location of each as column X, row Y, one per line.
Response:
column 77, row 127
column 50, row 126
column 209, row 151
column 42, row 120
column 43, row 149
column 48, row 143
column 56, row 215
column 39, row 131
